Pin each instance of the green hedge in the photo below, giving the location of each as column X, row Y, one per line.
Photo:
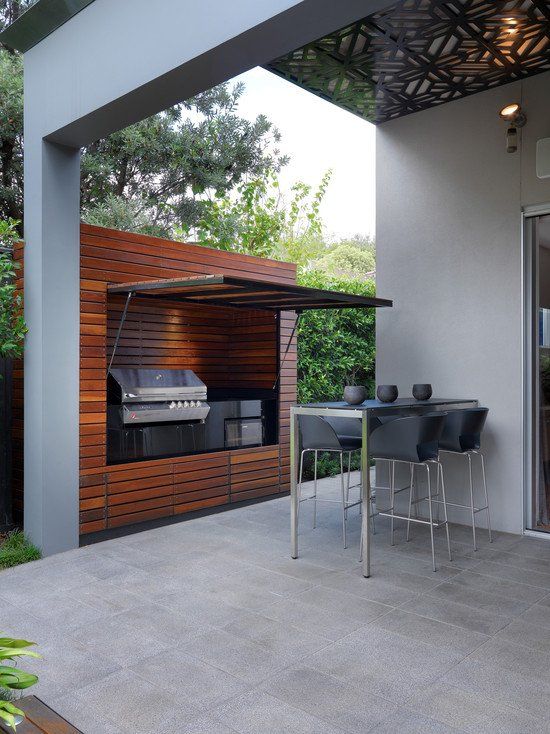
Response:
column 335, row 348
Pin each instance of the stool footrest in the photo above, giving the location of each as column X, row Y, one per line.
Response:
column 413, row 519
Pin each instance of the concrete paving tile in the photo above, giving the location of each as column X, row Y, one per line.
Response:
column 145, row 584
column 522, row 632
column 63, row 612
column 478, row 598
column 531, row 547
column 236, row 591
column 333, row 600
column 106, row 597
column 204, row 725
column 21, row 591
column 64, row 577
column 124, row 552
column 515, row 657
column 123, row 643
column 514, row 559
column 472, row 713
column 386, row 664
column 82, row 715
column 66, row 666
column 538, row 614
column 258, row 712
column 281, row 639
column 354, row 711
column 296, row 568
column 17, row 622
column 329, row 624
column 401, row 562
column 375, row 588
column 521, row 575
column 430, row 631
column 408, row 722
column 188, row 678
column 247, row 660
column 499, row 586
column 527, row 693
column 200, row 609
column 135, row 705
column 459, row 615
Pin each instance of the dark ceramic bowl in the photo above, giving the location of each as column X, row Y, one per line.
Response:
column 387, row 393
column 422, row 392
column 354, row 394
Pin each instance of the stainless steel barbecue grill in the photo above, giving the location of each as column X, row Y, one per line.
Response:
column 158, row 396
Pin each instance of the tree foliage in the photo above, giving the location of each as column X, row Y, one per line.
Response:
column 11, row 135
column 349, row 261
column 12, row 324
column 335, row 347
column 169, row 166
column 153, row 176
column 257, row 219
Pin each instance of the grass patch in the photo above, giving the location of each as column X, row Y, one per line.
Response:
column 15, row 548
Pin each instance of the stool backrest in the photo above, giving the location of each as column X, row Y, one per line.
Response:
column 345, row 426
column 316, row 433
column 462, row 429
column 413, row 438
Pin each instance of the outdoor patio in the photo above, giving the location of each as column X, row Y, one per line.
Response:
column 208, row 626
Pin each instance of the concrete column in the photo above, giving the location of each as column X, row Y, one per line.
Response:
column 52, row 294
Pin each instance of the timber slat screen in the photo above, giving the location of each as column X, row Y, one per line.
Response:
column 226, row 347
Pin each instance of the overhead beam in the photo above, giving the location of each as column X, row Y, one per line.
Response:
column 103, row 77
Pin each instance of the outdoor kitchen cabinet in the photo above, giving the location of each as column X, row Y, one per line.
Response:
column 229, row 349
column 225, row 321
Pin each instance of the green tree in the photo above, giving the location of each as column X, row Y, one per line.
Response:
column 162, row 169
column 257, row 220
column 12, row 325
column 11, row 135
column 168, row 166
column 349, row 261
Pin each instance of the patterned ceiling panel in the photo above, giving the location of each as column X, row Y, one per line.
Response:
column 422, row 53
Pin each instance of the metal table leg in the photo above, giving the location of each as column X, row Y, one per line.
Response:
column 365, row 495
column 294, row 451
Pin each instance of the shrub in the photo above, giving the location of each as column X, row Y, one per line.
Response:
column 335, row 347
column 17, row 549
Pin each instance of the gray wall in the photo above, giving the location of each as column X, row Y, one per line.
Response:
column 448, row 237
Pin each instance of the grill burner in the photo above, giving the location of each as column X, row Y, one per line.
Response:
column 158, row 396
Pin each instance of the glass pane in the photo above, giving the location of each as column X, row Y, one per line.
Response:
column 541, row 391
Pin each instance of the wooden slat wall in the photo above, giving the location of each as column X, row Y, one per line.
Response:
column 223, row 346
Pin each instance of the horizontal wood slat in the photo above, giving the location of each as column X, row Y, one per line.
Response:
column 224, row 346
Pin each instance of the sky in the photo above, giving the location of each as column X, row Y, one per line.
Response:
column 317, row 135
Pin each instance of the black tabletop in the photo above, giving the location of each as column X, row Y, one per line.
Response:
column 399, row 403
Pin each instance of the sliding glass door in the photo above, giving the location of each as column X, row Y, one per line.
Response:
column 537, row 240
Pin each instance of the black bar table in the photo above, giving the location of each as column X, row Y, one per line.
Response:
column 364, row 411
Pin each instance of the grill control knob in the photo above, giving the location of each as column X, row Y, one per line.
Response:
column 186, row 404
column 172, row 405
column 198, row 403
column 180, row 404
column 192, row 404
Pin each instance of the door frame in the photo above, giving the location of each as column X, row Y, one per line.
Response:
column 530, row 385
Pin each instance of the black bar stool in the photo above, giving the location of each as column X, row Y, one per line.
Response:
column 334, row 435
column 413, row 440
column 462, row 436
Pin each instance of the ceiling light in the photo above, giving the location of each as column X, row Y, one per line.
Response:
column 516, row 118
column 508, row 112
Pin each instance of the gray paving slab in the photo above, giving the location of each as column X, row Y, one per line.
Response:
column 208, row 627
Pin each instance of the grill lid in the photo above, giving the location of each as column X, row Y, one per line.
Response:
column 138, row 385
